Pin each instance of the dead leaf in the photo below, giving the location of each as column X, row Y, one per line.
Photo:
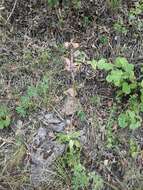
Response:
column 69, row 66
column 109, row 103
column 67, row 45
column 75, row 45
column 71, row 105
column 106, row 162
column 71, row 102
column 71, row 92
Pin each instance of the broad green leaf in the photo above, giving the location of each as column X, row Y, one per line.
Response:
column 134, row 103
column 132, row 115
column 115, row 77
column 135, row 119
column 122, row 62
column 103, row 65
column 135, row 125
column 133, row 85
column 126, row 88
column 132, row 75
column 123, row 120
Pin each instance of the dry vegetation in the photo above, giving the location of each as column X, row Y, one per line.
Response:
column 71, row 95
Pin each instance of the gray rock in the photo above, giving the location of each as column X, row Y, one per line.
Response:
column 43, row 157
column 59, row 127
column 51, row 119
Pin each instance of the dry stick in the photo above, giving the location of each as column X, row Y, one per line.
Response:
column 11, row 11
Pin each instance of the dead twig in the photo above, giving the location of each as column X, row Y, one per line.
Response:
column 11, row 11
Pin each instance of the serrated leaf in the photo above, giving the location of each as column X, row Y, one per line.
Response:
column 126, row 88
column 135, row 125
column 133, row 85
column 123, row 120
column 103, row 65
column 135, row 119
column 115, row 77
column 122, row 62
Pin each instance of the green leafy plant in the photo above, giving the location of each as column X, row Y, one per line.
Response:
column 137, row 9
column 86, row 21
column 28, row 101
column 129, row 118
column 80, row 177
column 134, row 148
column 24, row 106
column 103, row 40
column 135, row 16
column 111, row 139
column 4, row 117
column 120, row 27
column 81, row 114
column 73, row 153
column 122, row 75
column 98, row 182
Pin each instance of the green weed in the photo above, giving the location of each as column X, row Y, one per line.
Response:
column 134, row 16
column 120, row 27
column 121, row 74
column 33, row 95
column 137, row 10
column 81, row 115
column 134, row 148
column 80, row 177
column 111, row 140
column 103, row 40
column 4, row 117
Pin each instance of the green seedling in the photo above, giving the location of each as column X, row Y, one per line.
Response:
column 80, row 177
column 4, row 117
column 33, row 93
column 134, row 148
column 120, row 28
